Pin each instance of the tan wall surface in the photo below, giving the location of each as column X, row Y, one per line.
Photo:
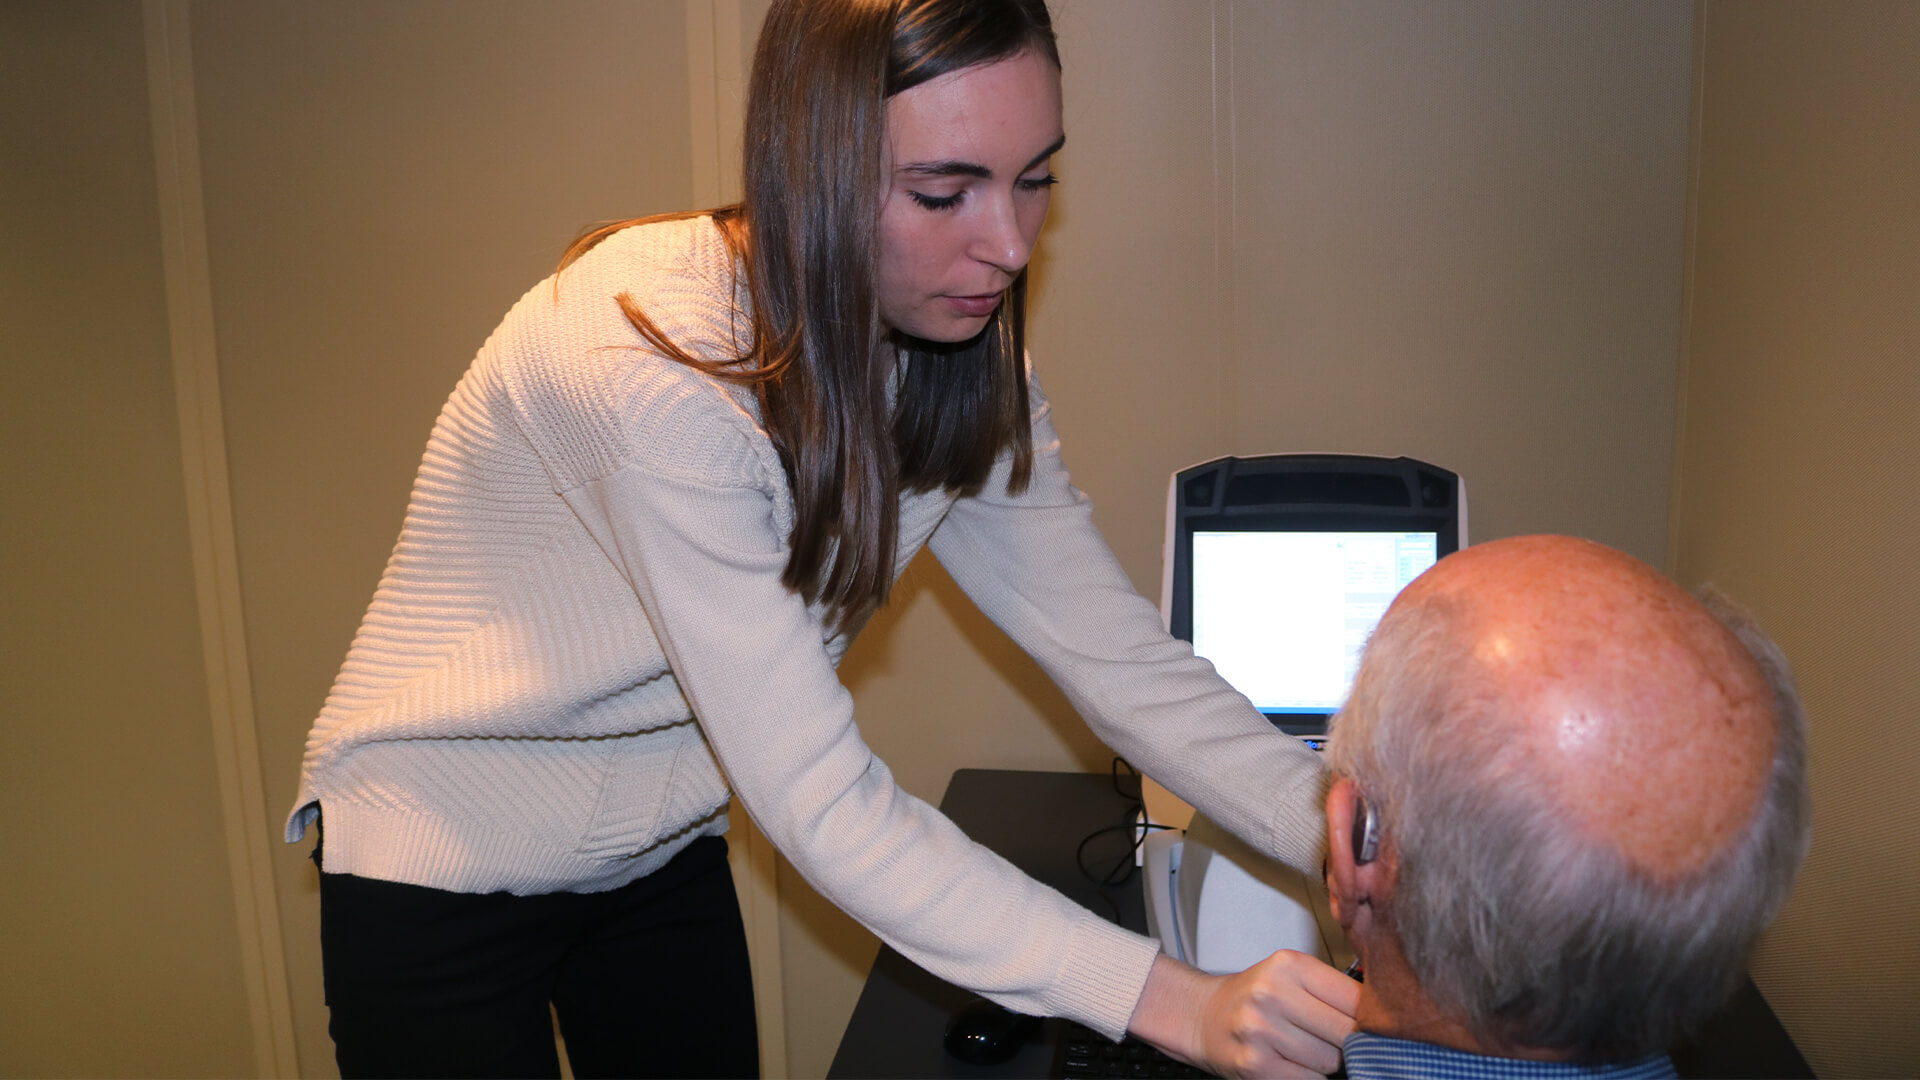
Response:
column 382, row 182
column 118, row 947
column 1126, row 253
column 1457, row 235
column 1374, row 227
column 1797, row 465
column 1282, row 227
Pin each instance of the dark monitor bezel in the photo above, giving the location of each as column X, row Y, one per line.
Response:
column 1433, row 505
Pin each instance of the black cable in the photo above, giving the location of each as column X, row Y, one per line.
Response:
column 1122, row 868
column 1133, row 820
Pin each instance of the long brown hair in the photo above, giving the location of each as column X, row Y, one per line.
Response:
column 806, row 236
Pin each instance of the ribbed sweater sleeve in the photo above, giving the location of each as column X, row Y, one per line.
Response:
column 1035, row 564
column 592, row 560
column 705, row 560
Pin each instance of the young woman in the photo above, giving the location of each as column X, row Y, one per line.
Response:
column 673, row 485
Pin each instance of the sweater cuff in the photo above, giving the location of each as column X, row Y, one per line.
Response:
column 1297, row 824
column 1105, row 974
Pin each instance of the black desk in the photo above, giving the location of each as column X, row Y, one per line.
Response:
column 1036, row 820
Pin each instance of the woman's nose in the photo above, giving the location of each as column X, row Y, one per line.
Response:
column 1001, row 242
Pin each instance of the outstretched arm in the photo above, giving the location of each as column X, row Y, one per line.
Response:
column 705, row 561
column 1035, row 564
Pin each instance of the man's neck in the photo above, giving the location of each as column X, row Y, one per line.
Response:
column 1393, row 1003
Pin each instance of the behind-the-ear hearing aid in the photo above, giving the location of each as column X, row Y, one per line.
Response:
column 1366, row 831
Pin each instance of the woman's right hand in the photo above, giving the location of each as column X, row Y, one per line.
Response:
column 1285, row 1016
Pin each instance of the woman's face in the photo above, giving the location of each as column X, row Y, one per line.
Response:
column 967, row 190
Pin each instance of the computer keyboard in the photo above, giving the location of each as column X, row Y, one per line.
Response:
column 1085, row 1052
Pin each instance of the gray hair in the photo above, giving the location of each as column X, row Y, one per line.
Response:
column 1529, row 933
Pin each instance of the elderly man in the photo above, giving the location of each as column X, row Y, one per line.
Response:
column 1567, row 799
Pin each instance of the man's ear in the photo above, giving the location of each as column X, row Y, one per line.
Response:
column 1340, row 808
column 1351, row 884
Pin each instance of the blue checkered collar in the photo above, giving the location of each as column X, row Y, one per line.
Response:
column 1377, row 1057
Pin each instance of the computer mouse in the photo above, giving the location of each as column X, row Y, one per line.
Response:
column 983, row 1033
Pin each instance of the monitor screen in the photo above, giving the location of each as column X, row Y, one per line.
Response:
column 1284, row 615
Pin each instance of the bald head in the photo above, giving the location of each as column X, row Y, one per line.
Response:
column 1591, row 794
column 1644, row 717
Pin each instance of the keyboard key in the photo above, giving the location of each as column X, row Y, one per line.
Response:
column 1085, row 1054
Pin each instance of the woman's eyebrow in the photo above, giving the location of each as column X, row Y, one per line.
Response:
column 956, row 167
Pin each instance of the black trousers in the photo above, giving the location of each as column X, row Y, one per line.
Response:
column 647, row 980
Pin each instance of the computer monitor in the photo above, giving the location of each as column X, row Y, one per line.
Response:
column 1279, row 567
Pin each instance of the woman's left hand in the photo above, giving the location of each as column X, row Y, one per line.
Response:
column 1285, row 1016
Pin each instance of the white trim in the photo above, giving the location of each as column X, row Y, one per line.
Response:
column 715, row 83
column 216, row 574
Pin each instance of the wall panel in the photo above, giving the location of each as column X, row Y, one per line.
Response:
column 1283, row 226
column 1457, row 234
column 120, row 954
column 1127, row 256
column 1372, row 227
column 382, row 181
column 1796, row 470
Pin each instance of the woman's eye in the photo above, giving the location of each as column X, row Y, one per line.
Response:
column 936, row 202
column 1038, row 183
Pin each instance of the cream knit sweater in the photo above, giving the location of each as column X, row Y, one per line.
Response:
column 581, row 642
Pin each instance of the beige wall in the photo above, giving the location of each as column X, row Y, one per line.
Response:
column 1797, row 466
column 1457, row 235
column 1283, row 226
column 382, row 181
column 1372, row 227
column 118, row 954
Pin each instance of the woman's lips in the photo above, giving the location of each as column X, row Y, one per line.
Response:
column 974, row 307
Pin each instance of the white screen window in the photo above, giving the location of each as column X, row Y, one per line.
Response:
column 1283, row 616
